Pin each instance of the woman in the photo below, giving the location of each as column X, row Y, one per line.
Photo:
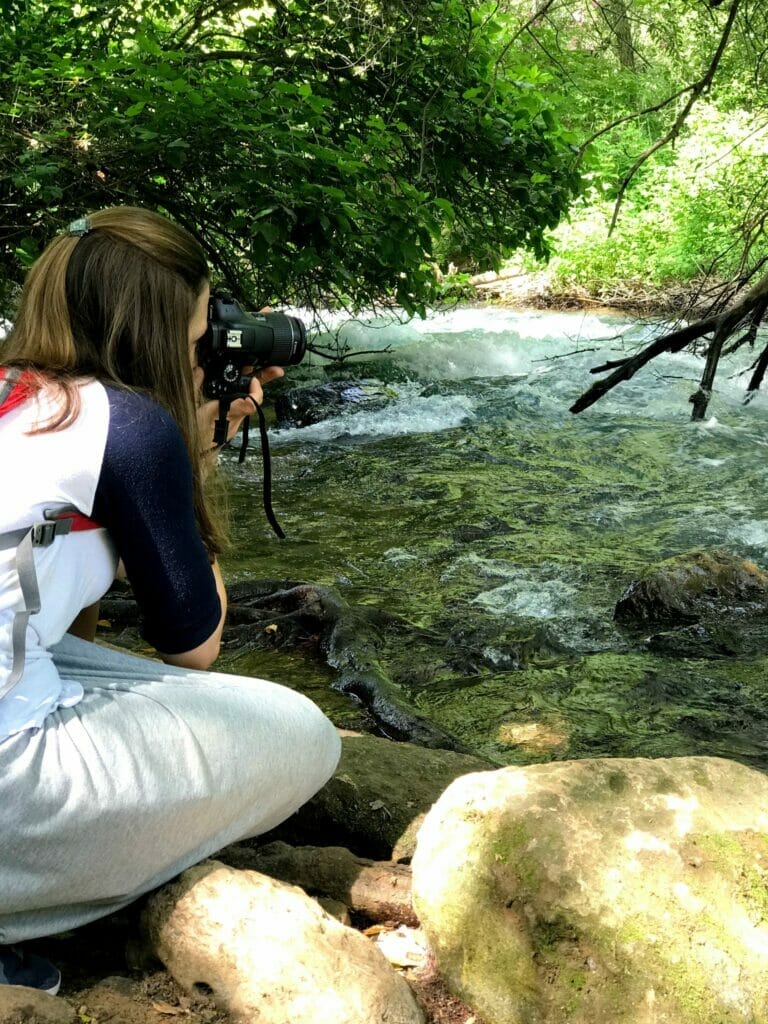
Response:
column 117, row 772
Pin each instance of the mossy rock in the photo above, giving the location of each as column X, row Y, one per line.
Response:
column 605, row 891
column 377, row 797
column 694, row 586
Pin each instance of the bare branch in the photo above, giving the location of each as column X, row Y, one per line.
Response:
column 757, row 377
column 610, row 364
column 629, row 117
column 722, row 324
column 700, row 398
column 696, row 90
column 750, row 335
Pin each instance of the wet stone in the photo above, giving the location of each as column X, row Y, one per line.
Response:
column 692, row 587
column 301, row 407
column 712, row 641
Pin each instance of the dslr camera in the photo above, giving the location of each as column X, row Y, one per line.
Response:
column 236, row 339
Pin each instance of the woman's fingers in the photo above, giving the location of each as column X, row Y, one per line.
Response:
column 265, row 374
column 270, row 373
column 242, row 407
column 239, row 407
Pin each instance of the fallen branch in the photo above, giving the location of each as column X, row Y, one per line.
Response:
column 760, row 366
column 752, row 306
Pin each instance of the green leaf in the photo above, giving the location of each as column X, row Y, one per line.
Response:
column 446, row 208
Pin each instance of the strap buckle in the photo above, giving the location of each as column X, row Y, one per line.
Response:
column 43, row 534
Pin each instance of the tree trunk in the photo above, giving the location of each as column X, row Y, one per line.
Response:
column 618, row 19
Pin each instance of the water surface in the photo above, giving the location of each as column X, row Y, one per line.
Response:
column 500, row 530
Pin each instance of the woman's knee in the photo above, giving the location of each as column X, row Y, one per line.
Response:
column 320, row 743
column 332, row 746
column 302, row 741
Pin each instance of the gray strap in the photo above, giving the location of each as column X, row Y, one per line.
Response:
column 39, row 535
column 23, row 540
column 25, row 567
column 13, row 538
column 9, row 382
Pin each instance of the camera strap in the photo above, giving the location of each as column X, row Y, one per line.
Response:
column 267, row 464
column 219, row 437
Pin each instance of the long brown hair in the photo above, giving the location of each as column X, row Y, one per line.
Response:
column 115, row 304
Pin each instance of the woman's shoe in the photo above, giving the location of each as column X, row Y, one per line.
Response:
column 20, row 968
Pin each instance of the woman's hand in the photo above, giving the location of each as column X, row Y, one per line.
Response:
column 208, row 412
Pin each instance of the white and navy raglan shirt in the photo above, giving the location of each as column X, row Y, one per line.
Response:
column 122, row 463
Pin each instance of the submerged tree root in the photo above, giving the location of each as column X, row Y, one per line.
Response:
column 285, row 613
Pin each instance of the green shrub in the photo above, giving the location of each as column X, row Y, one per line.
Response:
column 682, row 217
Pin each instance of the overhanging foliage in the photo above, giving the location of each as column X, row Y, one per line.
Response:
column 320, row 151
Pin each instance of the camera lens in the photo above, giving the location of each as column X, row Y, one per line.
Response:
column 289, row 340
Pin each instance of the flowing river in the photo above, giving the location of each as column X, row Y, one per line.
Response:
column 499, row 530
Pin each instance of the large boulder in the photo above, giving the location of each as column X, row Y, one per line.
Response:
column 377, row 797
column 694, row 586
column 606, row 891
column 270, row 954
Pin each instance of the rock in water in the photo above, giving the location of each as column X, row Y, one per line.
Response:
column 270, row 954
column 302, row 407
column 693, row 586
column 606, row 891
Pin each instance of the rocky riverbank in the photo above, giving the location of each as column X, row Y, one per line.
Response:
column 601, row 891
column 176, row 957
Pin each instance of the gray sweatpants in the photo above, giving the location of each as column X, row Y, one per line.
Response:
column 154, row 770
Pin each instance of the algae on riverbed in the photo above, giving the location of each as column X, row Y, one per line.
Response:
column 500, row 530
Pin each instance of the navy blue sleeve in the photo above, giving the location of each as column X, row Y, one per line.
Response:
column 144, row 500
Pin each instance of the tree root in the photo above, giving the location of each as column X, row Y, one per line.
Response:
column 379, row 890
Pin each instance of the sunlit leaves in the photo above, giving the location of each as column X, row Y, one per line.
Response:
column 321, row 151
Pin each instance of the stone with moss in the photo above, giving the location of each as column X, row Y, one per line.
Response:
column 377, row 798
column 694, row 586
column 605, row 891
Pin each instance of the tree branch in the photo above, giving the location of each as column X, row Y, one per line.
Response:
column 696, row 90
column 629, row 117
column 750, row 335
column 723, row 324
column 757, row 377
column 538, row 13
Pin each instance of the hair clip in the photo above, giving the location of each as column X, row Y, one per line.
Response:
column 79, row 227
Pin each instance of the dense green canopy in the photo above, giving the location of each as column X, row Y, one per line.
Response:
column 322, row 151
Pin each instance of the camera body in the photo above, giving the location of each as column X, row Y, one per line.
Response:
column 236, row 339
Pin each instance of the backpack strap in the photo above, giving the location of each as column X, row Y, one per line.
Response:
column 58, row 522
column 10, row 379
